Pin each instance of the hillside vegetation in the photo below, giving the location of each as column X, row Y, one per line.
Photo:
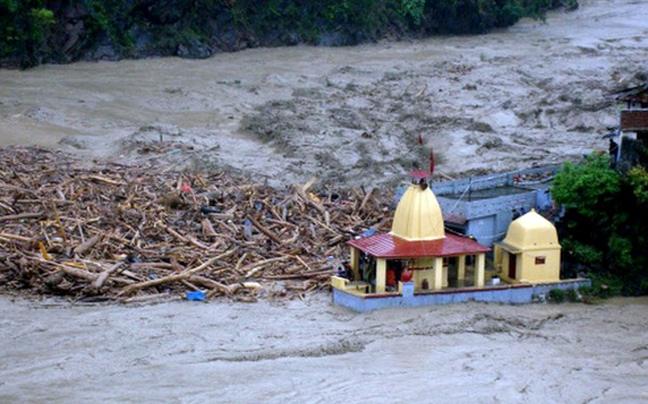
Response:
column 45, row 31
column 604, row 229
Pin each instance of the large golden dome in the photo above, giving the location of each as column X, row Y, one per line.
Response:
column 531, row 231
column 418, row 215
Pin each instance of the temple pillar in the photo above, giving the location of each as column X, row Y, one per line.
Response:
column 480, row 263
column 381, row 275
column 354, row 261
column 461, row 270
column 438, row 273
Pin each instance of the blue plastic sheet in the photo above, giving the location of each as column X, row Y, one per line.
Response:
column 195, row 296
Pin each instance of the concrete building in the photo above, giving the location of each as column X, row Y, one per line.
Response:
column 530, row 252
column 483, row 207
column 629, row 142
column 417, row 249
column 634, row 118
column 417, row 263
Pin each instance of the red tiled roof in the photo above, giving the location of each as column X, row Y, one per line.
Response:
column 634, row 119
column 385, row 245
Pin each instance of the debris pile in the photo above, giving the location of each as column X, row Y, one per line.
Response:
column 108, row 231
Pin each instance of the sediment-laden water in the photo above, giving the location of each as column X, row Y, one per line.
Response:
column 313, row 352
column 529, row 95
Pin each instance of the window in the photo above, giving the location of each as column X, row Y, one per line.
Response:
column 540, row 260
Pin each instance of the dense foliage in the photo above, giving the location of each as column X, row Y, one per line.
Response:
column 604, row 229
column 24, row 26
column 33, row 31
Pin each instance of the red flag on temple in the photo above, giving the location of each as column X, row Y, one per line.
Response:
column 420, row 139
column 431, row 162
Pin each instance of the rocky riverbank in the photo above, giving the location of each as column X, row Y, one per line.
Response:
column 33, row 32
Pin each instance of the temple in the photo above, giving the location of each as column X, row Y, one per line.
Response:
column 417, row 263
column 417, row 244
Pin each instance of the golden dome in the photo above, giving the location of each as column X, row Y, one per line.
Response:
column 531, row 231
column 418, row 216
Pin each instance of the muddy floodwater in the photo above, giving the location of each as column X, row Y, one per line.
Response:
column 529, row 95
column 313, row 352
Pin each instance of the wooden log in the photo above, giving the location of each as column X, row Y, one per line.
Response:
column 70, row 270
column 207, row 228
column 177, row 277
column 151, row 265
column 58, row 222
column 20, row 216
column 251, row 269
column 301, row 275
column 317, row 222
column 148, row 298
column 309, row 184
column 180, row 237
column 104, row 179
column 366, row 199
column 172, row 232
column 87, row 245
column 103, row 276
column 313, row 203
column 210, row 283
column 264, row 230
column 15, row 237
column 19, row 189
column 298, row 258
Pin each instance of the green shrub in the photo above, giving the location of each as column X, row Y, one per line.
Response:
column 556, row 296
column 605, row 286
column 573, row 296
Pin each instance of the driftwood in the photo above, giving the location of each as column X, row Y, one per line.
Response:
column 177, row 277
column 103, row 276
column 115, row 232
column 20, row 216
column 265, row 231
column 87, row 245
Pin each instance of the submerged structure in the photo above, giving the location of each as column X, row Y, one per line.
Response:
column 484, row 206
column 418, row 263
column 628, row 143
column 634, row 118
column 530, row 252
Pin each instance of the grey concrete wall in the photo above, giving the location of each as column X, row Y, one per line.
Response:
column 482, row 213
column 487, row 207
column 503, row 294
column 541, row 290
column 486, row 181
column 489, row 219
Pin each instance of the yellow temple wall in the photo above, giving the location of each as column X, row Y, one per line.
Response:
column 531, row 272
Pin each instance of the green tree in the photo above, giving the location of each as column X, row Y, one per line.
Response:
column 24, row 27
column 587, row 187
column 603, row 230
column 413, row 9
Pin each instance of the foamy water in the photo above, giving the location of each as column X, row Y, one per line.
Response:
column 531, row 94
column 313, row 352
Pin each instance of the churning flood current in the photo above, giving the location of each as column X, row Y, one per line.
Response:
column 313, row 352
column 310, row 351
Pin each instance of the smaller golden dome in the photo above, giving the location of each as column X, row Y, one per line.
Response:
column 418, row 215
column 531, row 231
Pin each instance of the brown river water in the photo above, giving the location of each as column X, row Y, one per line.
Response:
column 313, row 352
column 531, row 94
